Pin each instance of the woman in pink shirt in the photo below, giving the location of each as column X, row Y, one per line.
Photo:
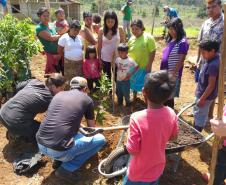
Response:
column 150, row 130
column 91, row 68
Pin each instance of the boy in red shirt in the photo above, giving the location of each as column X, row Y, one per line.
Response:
column 150, row 130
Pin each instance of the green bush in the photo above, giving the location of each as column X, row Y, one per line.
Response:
column 17, row 45
column 94, row 8
column 202, row 12
column 144, row 14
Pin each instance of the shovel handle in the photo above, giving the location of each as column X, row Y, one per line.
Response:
column 90, row 131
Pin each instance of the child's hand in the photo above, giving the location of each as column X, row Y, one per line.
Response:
column 201, row 102
column 218, row 127
column 101, row 64
column 127, row 77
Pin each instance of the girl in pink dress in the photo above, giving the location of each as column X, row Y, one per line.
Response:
column 91, row 68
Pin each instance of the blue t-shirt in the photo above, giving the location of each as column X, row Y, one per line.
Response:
column 172, row 13
column 3, row 2
column 210, row 68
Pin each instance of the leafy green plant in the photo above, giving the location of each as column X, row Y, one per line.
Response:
column 17, row 45
column 102, row 97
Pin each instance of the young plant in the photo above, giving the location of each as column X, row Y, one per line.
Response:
column 102, row 97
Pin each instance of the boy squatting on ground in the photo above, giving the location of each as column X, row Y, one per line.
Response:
column 150, row 130
column 126, row 67
column 206, row 90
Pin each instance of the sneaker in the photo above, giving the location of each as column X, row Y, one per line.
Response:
column 56, row 164
column 67, row 175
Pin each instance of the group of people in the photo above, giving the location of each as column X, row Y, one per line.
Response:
column 150, row 129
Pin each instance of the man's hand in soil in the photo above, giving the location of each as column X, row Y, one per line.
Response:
column 201, row 102
column 219, row 126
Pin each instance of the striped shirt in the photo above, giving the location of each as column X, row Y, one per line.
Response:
column 171, row 55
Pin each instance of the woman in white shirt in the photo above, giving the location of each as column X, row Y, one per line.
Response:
column 108, row 39
column 70, row 45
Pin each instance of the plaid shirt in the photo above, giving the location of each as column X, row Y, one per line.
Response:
column 212, row 29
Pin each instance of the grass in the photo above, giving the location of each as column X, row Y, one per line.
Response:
column 190, row 31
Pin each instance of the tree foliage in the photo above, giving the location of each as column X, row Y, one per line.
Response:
column 17, row 45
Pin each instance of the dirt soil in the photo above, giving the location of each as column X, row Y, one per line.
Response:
column 191, row 165
column 187, row 136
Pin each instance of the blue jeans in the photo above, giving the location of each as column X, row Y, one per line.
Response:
column 201, row 113
column 83, row 149
column 126, row 181
column 123, row 90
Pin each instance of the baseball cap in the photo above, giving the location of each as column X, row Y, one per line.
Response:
column 165, row 7
column 78, row 83
column 129, row 1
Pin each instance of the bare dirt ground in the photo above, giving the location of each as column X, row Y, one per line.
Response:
column 191, row 166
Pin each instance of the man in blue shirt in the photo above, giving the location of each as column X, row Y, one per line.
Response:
column 170, row 13
column 3, row 3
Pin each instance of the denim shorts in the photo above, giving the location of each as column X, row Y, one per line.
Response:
column 126, row 181
column 201, row 113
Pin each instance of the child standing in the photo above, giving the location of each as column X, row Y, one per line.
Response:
column 61, row 23
column 96, row 24
column 91, row 67
column 126, row 67
column 150, row 130
column 206, row 90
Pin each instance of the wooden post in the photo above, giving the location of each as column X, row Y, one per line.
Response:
column 113, row 85
column 217, row 140
column 47, row 4
column 153, row 21
column 100, row 6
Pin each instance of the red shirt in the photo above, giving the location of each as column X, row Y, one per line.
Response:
column 150, row 130
column 91, row 68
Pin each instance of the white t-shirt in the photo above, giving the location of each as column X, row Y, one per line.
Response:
column 109, row 47
column 72, row 47
column 124, row 67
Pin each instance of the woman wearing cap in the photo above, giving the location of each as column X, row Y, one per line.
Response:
column 47, row 35
column 108, row 39
column 86, row 31
column 33, row 97
column 70, row 46
column 141, row 49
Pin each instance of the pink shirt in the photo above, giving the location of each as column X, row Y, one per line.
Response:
column 91, row 68
column 150, row 130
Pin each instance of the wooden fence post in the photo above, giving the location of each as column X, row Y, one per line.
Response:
column 217, row 140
